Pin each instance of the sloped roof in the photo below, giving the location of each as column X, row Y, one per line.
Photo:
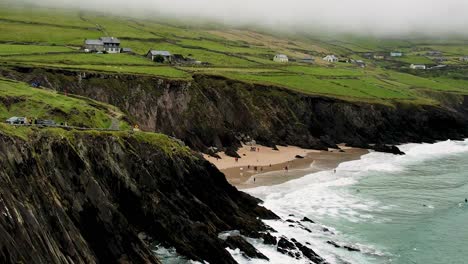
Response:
column 330, row 57
column 281, row 56
column 93, row 42
column 110, row 40
column 164, row 53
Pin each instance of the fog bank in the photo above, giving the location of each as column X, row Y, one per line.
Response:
column 383, row 17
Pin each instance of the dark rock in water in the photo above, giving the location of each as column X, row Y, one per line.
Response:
column 305, row 219
column 268, row 239
column 351, row 248
column 234, row 242
column 307, row 229
column 90, row 197
column 291, row 215
column 388, row 149
column 325, row 229
column 309, row 253
column 307, row 243
column 290, row 221
column 333, row 243
column 291, row 225
column 232, row 152
column 293, row 240
column 299, row 157
column 286, row 244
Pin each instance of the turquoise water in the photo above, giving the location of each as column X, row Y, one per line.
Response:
column 394, row 209
column 428, row 218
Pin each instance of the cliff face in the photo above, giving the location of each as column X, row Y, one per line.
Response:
column 212, row 111
column 83, row 197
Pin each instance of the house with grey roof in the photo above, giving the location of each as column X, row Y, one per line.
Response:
column 111, row 44
column 93, row 45
column 159, row 56
column 108, row 44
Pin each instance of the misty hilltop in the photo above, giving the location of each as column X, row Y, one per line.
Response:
column 381, row 17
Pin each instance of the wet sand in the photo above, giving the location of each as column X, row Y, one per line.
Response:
column 240, row 175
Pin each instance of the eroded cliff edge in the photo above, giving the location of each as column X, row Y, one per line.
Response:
column 211, row 111
column 83, row 197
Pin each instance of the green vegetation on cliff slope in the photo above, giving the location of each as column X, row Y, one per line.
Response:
column 51, row 38
column 19, row 99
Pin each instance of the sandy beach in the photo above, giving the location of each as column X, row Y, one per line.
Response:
column 265, row 166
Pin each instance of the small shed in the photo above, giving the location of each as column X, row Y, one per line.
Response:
column 418, row 66
column 126, row 50
column 159, row 56
column 280, row 58
column 396, row 54
column 307, row 60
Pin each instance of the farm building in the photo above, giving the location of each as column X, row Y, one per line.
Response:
column 93, row 45
column 359, row 63
column 108, row 44
column 280, row 58
column 418, row 66
column 464, row 59
column 111, row 44
column 396, row 54
column 126, row 50
column 368, row 55
column 330, row 58
column 379, row 57
column 307, row 60
column 434, row 53
column 159, row 56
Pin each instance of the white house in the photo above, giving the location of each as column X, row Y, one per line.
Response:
column 396, row 54
column 330, row 58
column 280, row 58
column 108, row 44
column 418, row 66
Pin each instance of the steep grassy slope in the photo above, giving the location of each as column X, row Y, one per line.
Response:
column 19, row 99
column 215, row 111
column 237, row 54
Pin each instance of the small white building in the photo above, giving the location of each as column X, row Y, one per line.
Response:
column 396, row 54
column 464, row 58
column 330, row 58
column 280, row 58
column 418, row 66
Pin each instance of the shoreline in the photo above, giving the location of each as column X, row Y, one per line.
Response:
column 271, row 165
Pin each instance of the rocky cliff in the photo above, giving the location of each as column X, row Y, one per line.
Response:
column 88, row 197
column 217, row 112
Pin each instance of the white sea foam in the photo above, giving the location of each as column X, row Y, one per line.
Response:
column 325, row 195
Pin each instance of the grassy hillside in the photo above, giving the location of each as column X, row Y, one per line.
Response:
column 19, row 99
column 52, row 38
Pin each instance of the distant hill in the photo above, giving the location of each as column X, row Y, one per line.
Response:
column 52, row 38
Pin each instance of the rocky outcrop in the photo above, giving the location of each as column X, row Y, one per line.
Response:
column 217, row 112
column 88, row 197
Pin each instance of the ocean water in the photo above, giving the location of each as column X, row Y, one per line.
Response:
column 394, row 209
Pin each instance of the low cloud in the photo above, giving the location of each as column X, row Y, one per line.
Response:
column 385, row 17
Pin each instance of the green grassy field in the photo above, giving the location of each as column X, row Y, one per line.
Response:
column 19, row 99
column 51, row 38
